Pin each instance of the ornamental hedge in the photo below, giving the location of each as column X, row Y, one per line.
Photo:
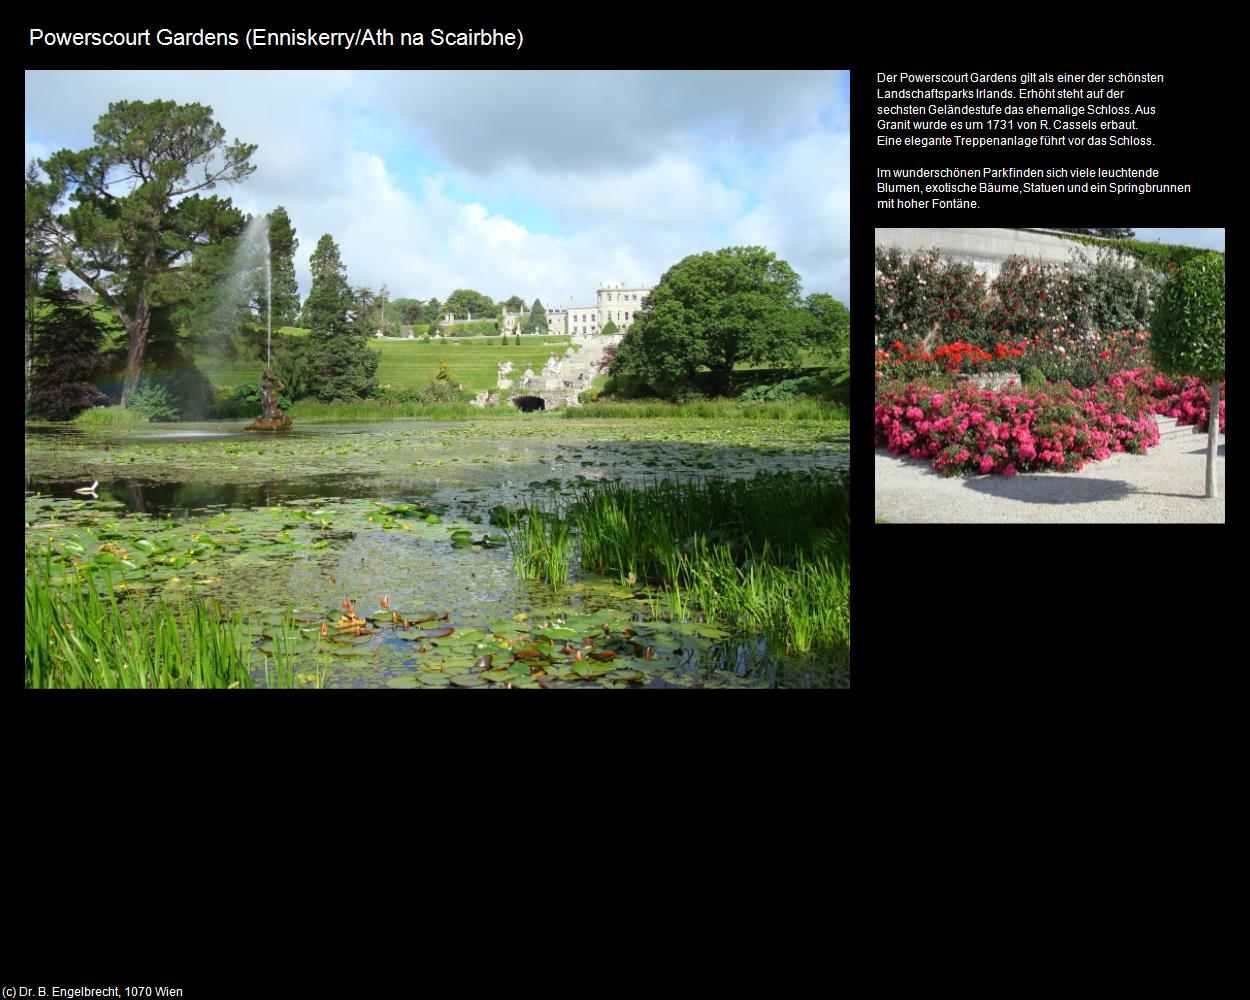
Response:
column 1187, row 329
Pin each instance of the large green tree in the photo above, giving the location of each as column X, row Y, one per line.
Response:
column 828, row 324
column 515, row 304
column 38, row 258
column 65, row 356
column 285, row 287
column 1187, row 337
column 714, row 310
column 464, row 301
column 340, row 364
column 136, row 219
column 536, row 321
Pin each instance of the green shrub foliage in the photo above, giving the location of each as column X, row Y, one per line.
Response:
column 1187, row 329
column 153, row 401
column 1034, row 300
column 1121, row 292
column 927, row 298
column 65, row 358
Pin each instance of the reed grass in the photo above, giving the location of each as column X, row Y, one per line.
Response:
column 769, row 555
column 109, row 415
column 75, row 638
column 712, row 409
column 542, row 545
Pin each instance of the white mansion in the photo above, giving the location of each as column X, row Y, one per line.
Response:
column 613, row 303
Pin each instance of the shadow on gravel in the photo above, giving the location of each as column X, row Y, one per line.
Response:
column 1051, row 489
column 1203, row 451
column 1056, row 488
column 921, row 464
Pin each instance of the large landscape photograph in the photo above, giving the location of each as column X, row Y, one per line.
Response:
column 437, row 380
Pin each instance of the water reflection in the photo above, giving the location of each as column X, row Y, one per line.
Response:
column 180, row 499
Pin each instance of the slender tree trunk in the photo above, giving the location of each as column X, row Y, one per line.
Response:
column 1213, row 437
column 30, row 340
column 137, row 329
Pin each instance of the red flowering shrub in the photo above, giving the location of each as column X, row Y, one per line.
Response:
column 900, row 360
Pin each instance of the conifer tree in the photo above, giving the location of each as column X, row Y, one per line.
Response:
column 340, row 363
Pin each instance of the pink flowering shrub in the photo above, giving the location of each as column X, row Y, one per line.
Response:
column 1187, row 400
column 974, row 431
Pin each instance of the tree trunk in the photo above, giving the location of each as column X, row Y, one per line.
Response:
column 1213, row 437
column 137, row 329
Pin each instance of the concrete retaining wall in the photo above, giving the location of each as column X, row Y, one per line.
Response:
column 986, row 249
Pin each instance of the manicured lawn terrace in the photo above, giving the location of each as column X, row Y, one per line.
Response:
column 409, row 364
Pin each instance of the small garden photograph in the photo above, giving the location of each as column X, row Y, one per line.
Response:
column 1048, row 375
column 437, row 381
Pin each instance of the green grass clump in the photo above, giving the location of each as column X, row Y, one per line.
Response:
column 769, row 555
column 712, row 409
column 77, row 639
column 108, row 415
column 542, row 545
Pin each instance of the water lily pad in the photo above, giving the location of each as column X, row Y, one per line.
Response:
column 402, row 682
column 468, row 680
column 469, row 637
column 348, row 638
column 438, row 633
column 434, row 680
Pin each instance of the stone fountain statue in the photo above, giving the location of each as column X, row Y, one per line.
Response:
column 270, row 419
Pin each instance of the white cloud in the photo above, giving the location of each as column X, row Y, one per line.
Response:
column 595, row 120
column 538, row 184
column 804, row 212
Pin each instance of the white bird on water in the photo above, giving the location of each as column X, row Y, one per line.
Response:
column 89, row 489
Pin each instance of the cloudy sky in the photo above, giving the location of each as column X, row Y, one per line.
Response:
column 540, row 184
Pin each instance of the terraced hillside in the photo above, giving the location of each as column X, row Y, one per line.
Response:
column 409, row 364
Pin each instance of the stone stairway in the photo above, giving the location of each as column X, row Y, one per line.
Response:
column 1168, row 427
column 563, row 387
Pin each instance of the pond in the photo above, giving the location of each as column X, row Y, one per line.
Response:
column 393, row 522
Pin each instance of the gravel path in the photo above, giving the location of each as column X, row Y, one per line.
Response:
column 1166, row 485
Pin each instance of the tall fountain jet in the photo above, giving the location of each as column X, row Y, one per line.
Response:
column 271, row 419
